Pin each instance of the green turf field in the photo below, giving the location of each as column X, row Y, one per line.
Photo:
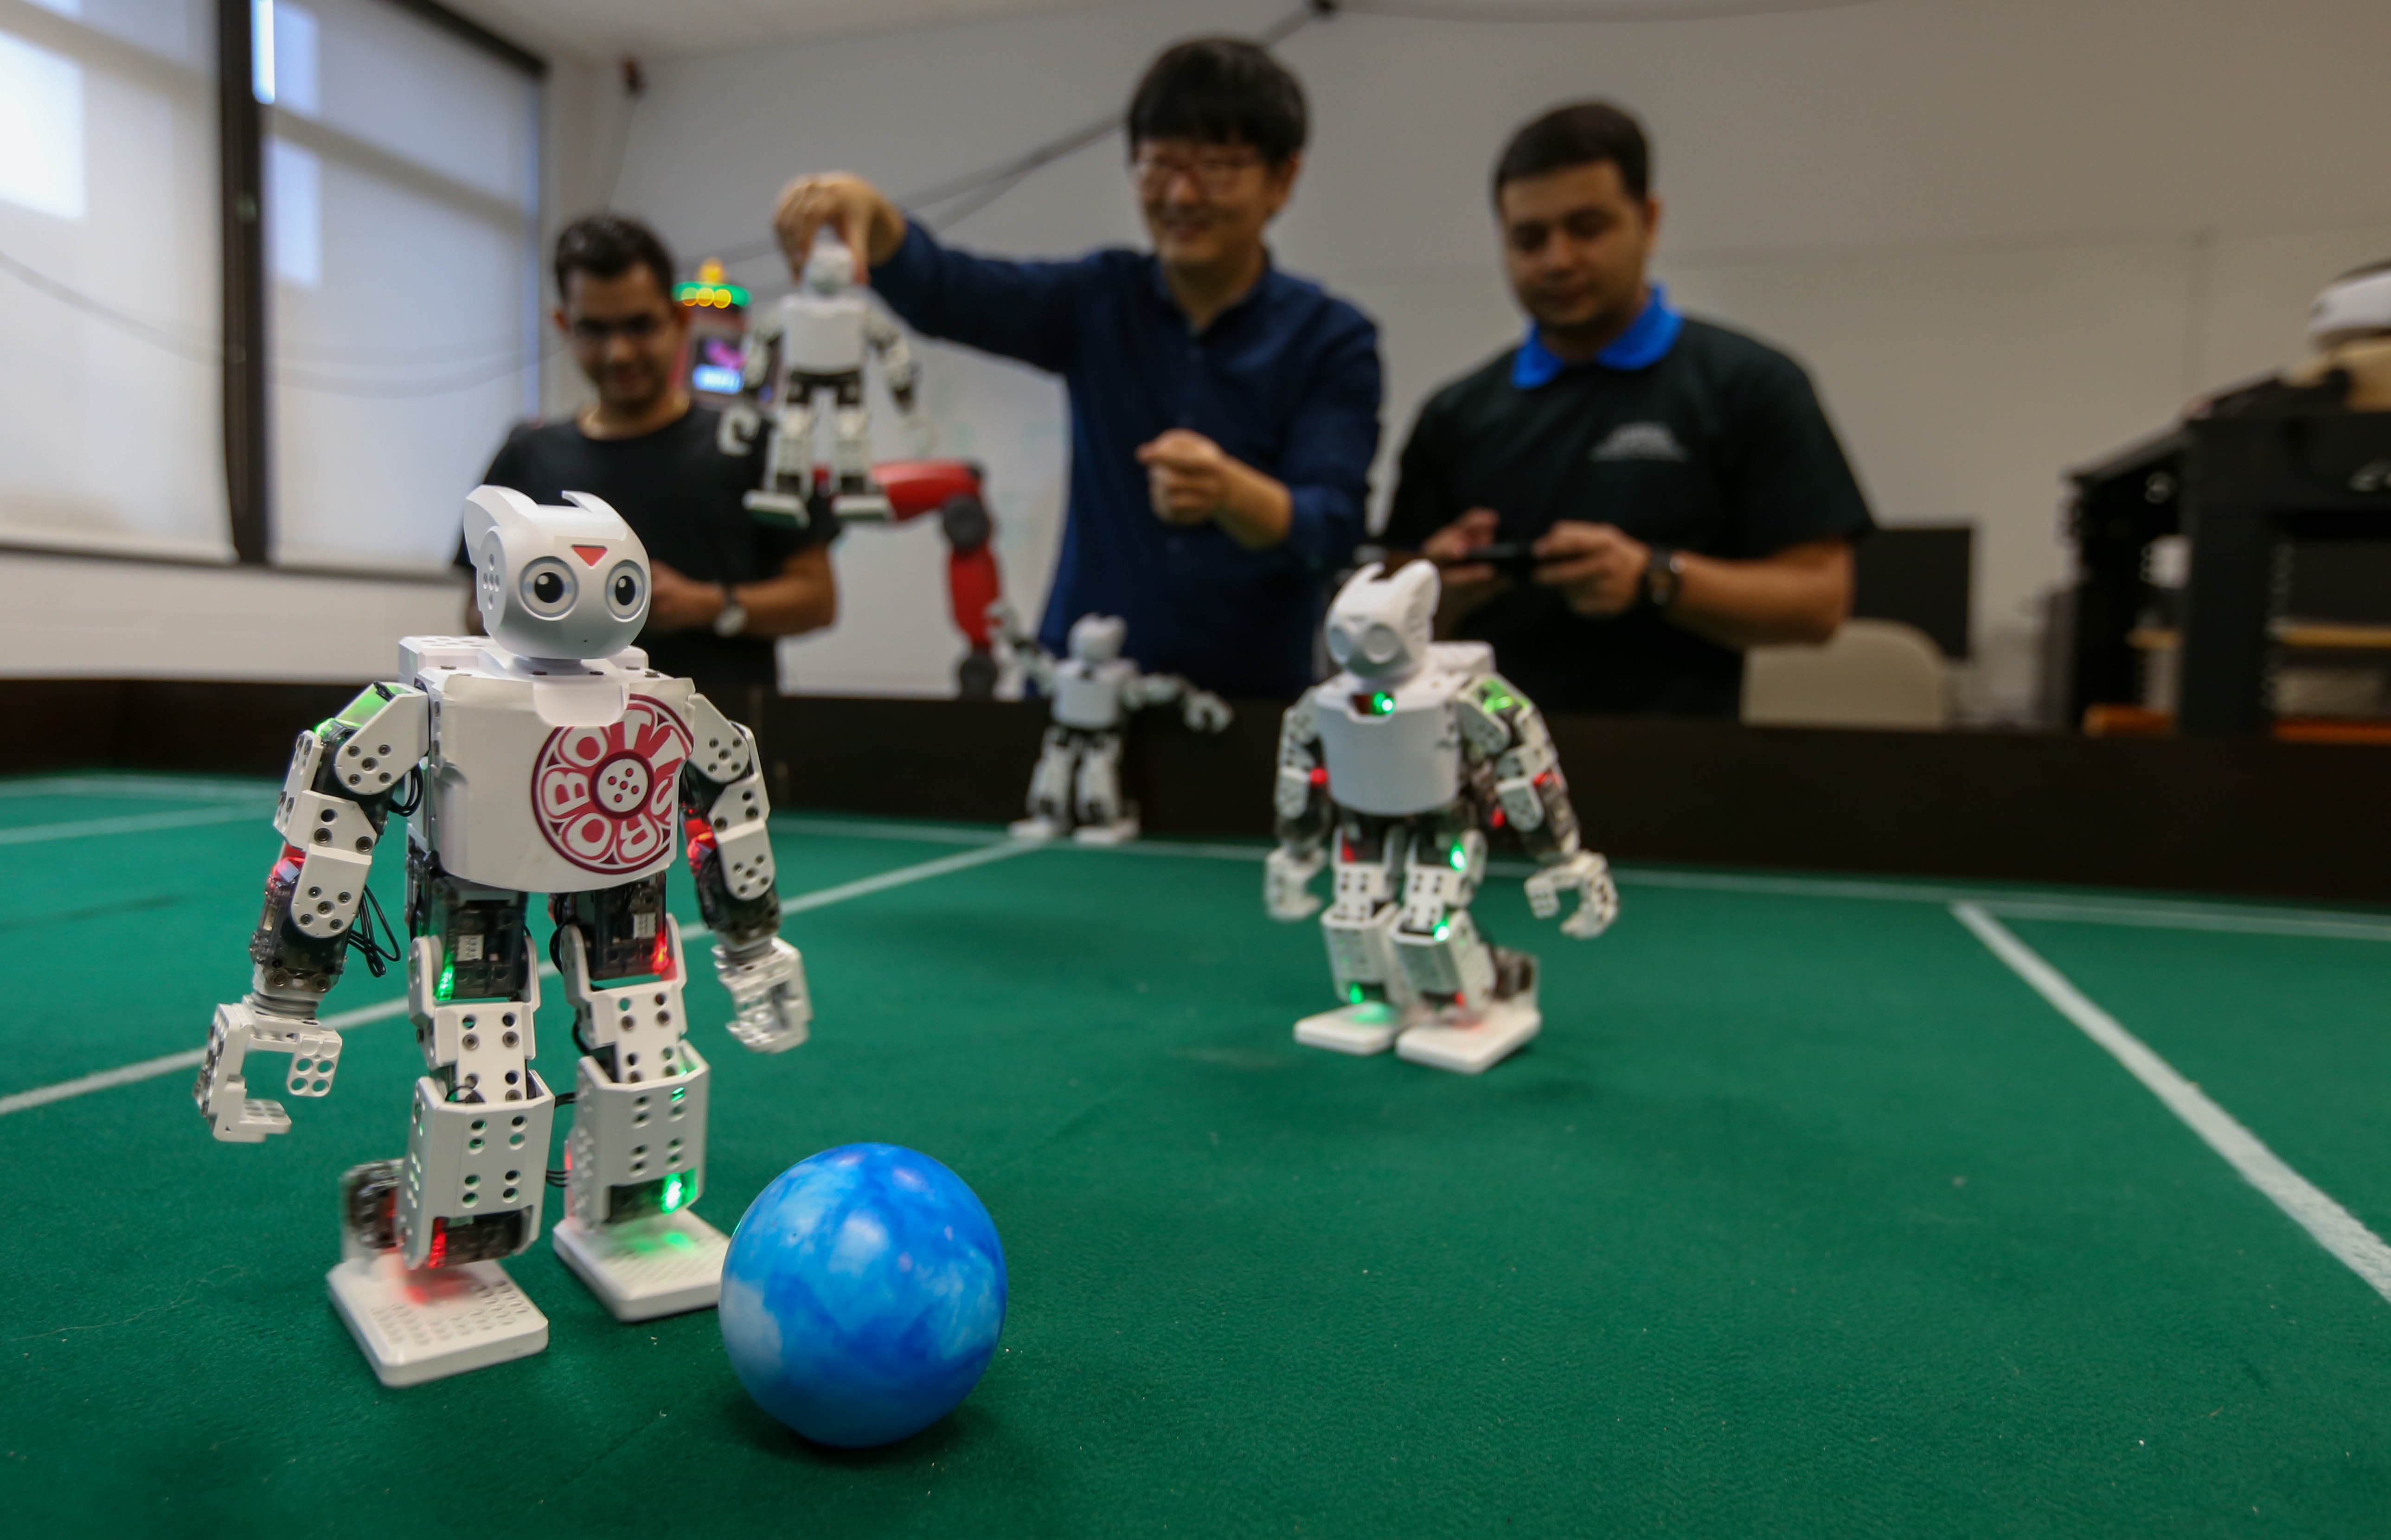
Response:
column 1806, row 1215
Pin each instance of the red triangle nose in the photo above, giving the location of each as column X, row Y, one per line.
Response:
column 589, row 555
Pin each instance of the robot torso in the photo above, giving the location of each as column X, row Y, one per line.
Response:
column 821, row 336
column 1088, row 695
column 1397, row 751
column 540, row 782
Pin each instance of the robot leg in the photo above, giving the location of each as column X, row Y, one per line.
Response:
column 1359, row 928
column 1049, row 788
column 636, row 1160
column 1103, row 816
column 419, row 1282
column 788, row 486
column 1478, row 1021
column 857, row 497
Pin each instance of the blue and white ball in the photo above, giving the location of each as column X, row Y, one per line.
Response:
column 863, row 1294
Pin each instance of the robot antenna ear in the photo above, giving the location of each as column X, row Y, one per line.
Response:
column 489, row 508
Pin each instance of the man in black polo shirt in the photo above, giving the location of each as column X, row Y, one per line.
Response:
column 723, row 585
column 1683, row 492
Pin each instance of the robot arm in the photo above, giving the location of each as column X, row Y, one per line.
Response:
column 344, row 774
column 1024, row 649
column 1201, row 710
column 897, row 361
column 1500, row 724
column 740, row 419
column 1304, row 818
column 723, row 808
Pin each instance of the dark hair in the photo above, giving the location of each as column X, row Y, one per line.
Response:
column 1221, row 91
column 1582, row 133
column 607, row 246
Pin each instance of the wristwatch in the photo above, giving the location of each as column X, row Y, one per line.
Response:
column 1664, row 574
column 733, row 619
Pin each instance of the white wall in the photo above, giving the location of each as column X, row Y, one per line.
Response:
column 2005, row 235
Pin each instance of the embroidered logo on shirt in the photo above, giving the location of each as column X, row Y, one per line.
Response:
column 1640, row 440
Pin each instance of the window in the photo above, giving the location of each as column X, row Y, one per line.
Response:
column 110, row 429
column 402, row 250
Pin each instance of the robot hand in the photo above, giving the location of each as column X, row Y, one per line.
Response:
column 223, row 1095
column 1588, row 876
column 768, row 995
column 1204, row 712
column 1286, row 877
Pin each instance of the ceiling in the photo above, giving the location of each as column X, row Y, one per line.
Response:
column 597, row 29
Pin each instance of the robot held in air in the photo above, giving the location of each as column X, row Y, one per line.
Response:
column 544, row 758
column 1076, row 789
column 1408, row 757
column 812, row 341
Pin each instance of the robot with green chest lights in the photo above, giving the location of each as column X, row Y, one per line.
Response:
column 1406, row 759
column 546, row 757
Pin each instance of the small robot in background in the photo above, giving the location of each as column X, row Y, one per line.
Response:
column 811, row 341
column 1076, row 789
column 544, row 758
column 1407, row 759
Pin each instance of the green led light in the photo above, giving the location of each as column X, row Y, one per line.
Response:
column 1460, row 859
column 679, row 1092
column 447, row 980
column 1496, row 698
column 676, row 1192
column 1353, row 994
column 1443, row 926
column 1381, row 703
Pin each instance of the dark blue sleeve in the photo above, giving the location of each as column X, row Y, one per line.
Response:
column 1024, row 310
column 1330, row 444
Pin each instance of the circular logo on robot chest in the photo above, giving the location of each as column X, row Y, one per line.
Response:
column 605, row 795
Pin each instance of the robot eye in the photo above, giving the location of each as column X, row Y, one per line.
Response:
column 1380, row 644
column 547, row 587
column 1340, row 643
column 626, row 591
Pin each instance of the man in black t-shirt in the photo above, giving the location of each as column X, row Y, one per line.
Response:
column 1682, row 491
column 723, row 585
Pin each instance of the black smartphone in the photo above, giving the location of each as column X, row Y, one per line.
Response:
column 1512, row 558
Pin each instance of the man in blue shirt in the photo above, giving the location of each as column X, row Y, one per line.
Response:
column 1224, row 413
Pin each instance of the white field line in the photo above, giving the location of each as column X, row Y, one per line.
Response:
column 171, row 788
column 166, row 1064
column 135, row 823
column 2333, row 1227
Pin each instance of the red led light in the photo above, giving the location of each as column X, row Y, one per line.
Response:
column 1496, row 818
column 1320, row 774
column 659, row 960
column 439, row 1244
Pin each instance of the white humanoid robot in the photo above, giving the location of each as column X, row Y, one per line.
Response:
column 1407, row 759
column 1076, row 789
column 544, row 758
column 814, row 341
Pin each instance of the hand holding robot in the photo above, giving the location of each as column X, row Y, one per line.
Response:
column 1075, row 788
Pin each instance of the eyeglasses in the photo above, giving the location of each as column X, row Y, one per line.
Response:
column 1211, row 173
column 590, row 333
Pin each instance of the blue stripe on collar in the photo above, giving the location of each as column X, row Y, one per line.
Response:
column 1646, row 341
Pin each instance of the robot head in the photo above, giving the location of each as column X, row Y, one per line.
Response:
column 1098, row 638
column 555, row 582
column 2354, row 305
column 830, row 266
column 1381, row 622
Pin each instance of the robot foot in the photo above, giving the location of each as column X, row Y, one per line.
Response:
column 661, row 1265
column 1040, row 828
column 869, row 508
column 779, row 508
column 1120, row 831
column 435, row 1321
column 1365, row 1028
column 1472, row 1047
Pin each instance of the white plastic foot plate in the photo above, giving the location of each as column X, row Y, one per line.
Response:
column 1366, row 1027
column 1119, row 832
column 434, row 1322
column 1033, row 828
column 1468, row 1050
column 643, row 1268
